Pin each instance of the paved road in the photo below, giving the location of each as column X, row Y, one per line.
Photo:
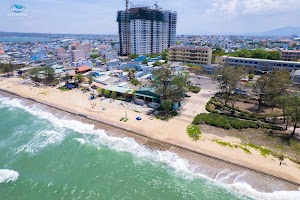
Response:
column 197, row 102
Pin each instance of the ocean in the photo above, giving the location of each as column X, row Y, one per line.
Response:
column 55, row 156
column 23, row 39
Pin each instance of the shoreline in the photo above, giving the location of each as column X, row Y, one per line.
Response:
column 152, row 139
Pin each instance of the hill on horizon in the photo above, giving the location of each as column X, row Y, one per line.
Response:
column 284, row 31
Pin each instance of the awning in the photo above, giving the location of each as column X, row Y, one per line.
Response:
column 147, row 96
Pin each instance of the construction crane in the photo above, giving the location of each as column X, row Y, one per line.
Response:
column 157, row 6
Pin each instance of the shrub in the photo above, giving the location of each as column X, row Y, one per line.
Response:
column 251, row 76
column 196, row 120
column 107, row 93
column 194, row 89
column 135, row 82
column 263, row 151
column 100, row 91
column 223, row 121
column 245, row 149
column 193, row 132
column 113, row 95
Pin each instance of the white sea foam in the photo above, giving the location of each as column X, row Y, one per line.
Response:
column 41, row 140
column 80, row 140
column 7, row 175
column 129, row 145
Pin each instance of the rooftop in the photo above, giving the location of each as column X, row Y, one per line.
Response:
column 114, row 88
column 190, row 48
column 83, row 68
column 291, row 51
column 265, row 60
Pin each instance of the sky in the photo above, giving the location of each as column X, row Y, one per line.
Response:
column 195, row 17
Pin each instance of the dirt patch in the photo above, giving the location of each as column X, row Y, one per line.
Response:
column 277, row 142
column 249, row 107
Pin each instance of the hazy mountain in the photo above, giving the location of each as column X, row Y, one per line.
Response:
column 285, row 31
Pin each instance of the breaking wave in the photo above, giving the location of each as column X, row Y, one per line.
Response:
column 128, row 144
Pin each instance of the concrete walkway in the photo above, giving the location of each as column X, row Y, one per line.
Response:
column 197, row 102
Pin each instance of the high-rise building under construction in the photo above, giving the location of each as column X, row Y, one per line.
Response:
column 143, row 30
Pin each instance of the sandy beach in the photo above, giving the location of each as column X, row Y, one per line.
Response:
column 173, row 131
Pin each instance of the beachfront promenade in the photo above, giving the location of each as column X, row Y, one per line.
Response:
column 172, row 132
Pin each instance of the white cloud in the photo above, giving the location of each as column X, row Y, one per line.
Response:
column 263, row 6
column 232, row 8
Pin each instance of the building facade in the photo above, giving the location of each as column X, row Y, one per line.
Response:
column 190, row 54
column 295, row 77
column 260, row 65
column 290, row 55
column 143, row 30
column 78, row 51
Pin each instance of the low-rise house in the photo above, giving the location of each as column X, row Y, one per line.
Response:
column 82, row 69
column 146, row 96
column 113, row 65
column 295, row 76
column 110, row 55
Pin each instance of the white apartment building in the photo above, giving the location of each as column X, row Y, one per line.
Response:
column 143, row 30
column 78, row 51
column 76, row 55
column 111, row 56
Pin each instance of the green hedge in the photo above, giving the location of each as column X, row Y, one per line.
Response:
column 194, row 89
column 222, row 121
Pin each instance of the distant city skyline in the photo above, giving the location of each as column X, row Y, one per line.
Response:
column 194, row 17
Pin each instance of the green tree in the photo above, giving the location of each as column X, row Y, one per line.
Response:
column 133, row 56
column 294, row 112
column 34, row 73
column 271, row 86
column 100, row 91
column 193, row 132
column 94, row 56
column 66, row 77
column 157, row 63
column 145, row 62
column 90, row 80
column 169, row 85
column 133, row 94
column 251, row 76
column 113, row 95
column 229, row 79
column 107, row 93
column 135, row 82
column 7, row 68
column 164, row 55
column 257, row 53
column 79, row 78
column 260, row 88
column 131, row 74
column 49, row 73
column 284, row 102
column 278, row 83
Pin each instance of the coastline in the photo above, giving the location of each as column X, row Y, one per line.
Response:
column 173, row 144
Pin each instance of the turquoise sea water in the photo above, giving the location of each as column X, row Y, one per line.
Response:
column 23, row 39
column 46, row 157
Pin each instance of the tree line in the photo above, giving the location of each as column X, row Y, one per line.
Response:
column 269, row 90
column 245, row 53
